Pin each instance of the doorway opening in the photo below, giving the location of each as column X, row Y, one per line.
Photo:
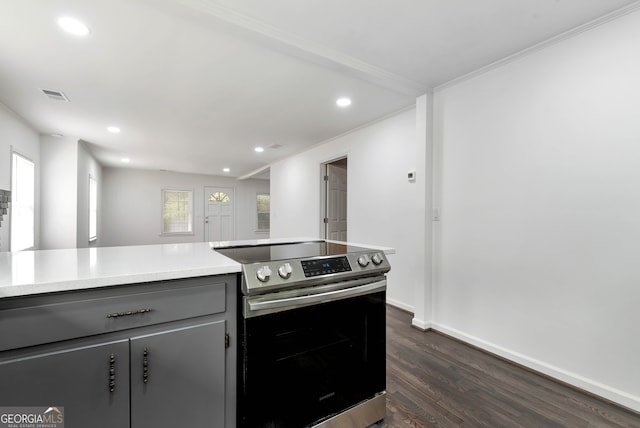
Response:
column 334, row 200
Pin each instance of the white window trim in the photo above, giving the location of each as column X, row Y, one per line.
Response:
column 176, row 189
column 14, row 199
column 258, row 230
column 93, row 180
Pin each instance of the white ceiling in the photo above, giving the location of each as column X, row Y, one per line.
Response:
column 196, row 84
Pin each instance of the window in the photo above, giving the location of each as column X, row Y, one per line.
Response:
column 263, row 202
column 219, row 197
column 93, row 209
column 177, row 211
column 22, row 203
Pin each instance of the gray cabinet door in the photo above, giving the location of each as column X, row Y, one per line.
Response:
column 185, row 378
column 76, row 378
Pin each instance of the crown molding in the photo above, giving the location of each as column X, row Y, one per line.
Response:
column 252, row 174
column 612, row 16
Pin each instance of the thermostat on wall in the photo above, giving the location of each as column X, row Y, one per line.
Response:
column 411, row 176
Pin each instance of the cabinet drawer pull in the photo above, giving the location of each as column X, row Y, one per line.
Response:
column 112, row 373
column 145, row 366
column 127, row 313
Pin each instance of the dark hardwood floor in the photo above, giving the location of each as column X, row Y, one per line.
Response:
column 435, row 381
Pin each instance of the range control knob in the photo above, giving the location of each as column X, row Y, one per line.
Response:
column 377, row 259
column 285, row 271
column 363, row 260
column 263, row 274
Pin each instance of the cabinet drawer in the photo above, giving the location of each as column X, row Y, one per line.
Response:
column 47, row 319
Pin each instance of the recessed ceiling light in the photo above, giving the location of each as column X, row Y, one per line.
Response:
column 113, row 129
column 73, row 26
column 259, row 150
column 226, row 169
column 343, row 102
column 125, row 160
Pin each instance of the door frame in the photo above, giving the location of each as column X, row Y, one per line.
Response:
column 205, row 200
column 323, row 194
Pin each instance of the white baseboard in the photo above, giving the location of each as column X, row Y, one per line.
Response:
column 400, row 305
column 625, row 399
column 420, row 324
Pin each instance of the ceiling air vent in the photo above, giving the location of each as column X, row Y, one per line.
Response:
column 55, row 95
column 275, row 146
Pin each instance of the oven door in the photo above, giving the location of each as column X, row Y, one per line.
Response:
column 309, row 357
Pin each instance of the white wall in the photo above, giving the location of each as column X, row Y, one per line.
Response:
column 14, row 132
column 540, row 202
column 131, row 205
column 59, row 192
column 383, row 208
column 87, row 165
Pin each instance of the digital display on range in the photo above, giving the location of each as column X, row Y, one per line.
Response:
column 325, row 266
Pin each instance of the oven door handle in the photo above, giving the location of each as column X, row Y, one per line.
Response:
column 276, row 305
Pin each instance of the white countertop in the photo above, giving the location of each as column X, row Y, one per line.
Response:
column 46, row 271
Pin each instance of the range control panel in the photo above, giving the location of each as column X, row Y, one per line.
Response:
column 315, row 267
column 277, row 275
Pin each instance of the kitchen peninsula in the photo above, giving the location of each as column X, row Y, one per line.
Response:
column 120, row 336
column 34, row 272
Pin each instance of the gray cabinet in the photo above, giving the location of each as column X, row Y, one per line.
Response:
column 177, row 377
column 76, row 378
column 109, row 365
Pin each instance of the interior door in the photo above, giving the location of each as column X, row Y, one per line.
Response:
column 219, row 214
column 336, row 203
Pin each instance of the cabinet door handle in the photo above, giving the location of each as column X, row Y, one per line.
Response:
column 112, row 373
column 145, row 366
column 128, row 313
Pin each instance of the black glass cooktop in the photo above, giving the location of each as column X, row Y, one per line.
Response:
column 299, row 250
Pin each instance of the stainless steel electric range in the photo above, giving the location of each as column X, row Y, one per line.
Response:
column 312, row 335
